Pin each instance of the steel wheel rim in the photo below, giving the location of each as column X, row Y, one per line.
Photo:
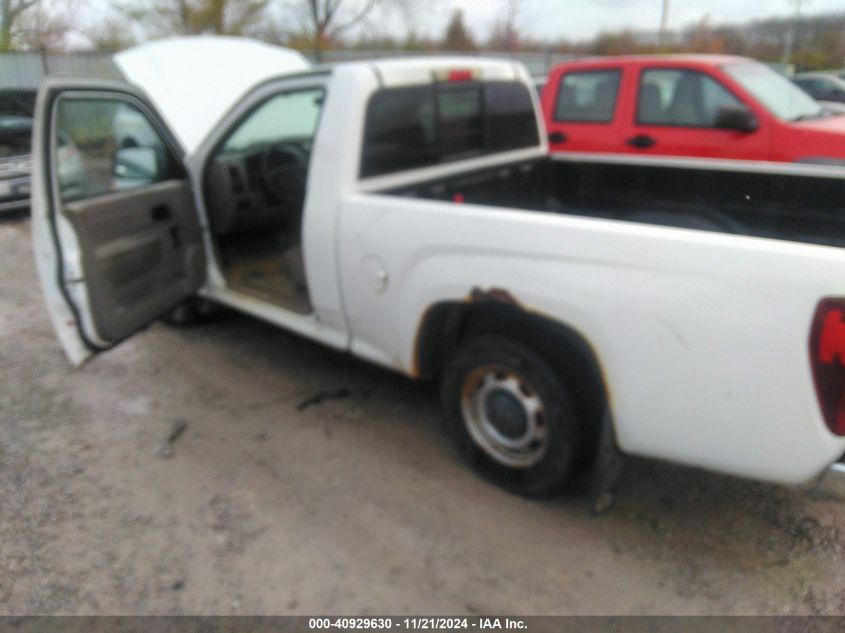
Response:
column 504, row 415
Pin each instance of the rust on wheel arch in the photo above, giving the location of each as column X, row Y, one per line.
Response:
column 497, row 295
column 502, row 296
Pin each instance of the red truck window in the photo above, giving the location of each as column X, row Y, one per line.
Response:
column 588, row 96
column 684, row 98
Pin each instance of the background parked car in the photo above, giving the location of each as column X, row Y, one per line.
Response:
column 15, row 162
column 70, row 166
column 821, row 86
column 131, row 129
column 16, row 108
column 705, row 106
column 826, row 88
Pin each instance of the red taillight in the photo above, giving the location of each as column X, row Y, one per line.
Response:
column 827, row 357
column 460, row 75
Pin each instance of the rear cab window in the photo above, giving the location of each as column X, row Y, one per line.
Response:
column 588, row 96
column 420, row 126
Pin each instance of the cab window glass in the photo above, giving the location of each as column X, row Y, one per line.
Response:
column 106, row 145
column 511, row 121
column 425, row 125
column 400, row 130
column 288, row 117
column 588, row 96
column 459, row 122
column 684, row 98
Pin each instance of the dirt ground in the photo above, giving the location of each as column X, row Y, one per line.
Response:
column 353, row 505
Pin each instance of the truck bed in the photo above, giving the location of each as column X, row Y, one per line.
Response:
column 804, row 204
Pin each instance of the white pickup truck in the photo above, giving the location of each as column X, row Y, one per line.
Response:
column 408, row 212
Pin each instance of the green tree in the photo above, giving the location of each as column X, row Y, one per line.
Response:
column 458, row 37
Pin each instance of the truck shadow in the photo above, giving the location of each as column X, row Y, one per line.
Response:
column 696, row 523
column 13, row 216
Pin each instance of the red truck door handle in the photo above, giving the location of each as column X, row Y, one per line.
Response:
column 557, row 137
column 641, row 141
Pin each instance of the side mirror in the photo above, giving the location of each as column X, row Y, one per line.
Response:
column 135, row 163
column 736, row 117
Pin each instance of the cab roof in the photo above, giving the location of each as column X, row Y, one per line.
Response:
column 401, row 71
column 193, row 81
column 695, row 59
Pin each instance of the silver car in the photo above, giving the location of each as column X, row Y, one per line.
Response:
column 16, row 162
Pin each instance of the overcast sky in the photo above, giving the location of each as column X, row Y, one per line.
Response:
column 570, row 19
column 578, row 19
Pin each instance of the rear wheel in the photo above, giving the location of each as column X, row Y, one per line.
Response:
column 510, row 414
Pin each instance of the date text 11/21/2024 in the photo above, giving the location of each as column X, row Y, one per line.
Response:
column 430, row 623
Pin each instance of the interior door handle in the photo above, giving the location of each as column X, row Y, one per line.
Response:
column 160, row 213
column 641, row 141
column 558, row 137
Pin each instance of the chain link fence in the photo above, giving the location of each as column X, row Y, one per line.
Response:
column 24, row 71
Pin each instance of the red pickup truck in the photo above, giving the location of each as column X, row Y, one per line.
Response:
column 707, row 106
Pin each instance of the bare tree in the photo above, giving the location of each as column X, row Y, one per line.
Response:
column 324, row 21
column 45, row 27
column 10, row 11
column 110, row 35
column 505, row 35
column 193, row 17
column 458, row 37
column 509, row 26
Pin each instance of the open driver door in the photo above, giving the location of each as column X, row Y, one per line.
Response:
column 116, row 233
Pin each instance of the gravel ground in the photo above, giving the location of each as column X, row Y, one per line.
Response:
column 353, row 505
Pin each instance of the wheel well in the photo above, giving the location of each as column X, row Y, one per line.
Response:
column 446, row 324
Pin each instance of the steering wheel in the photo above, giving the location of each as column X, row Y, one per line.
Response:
column 283, row 170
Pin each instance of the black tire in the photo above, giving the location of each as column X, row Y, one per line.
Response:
column 546, row 471
column 192, row 311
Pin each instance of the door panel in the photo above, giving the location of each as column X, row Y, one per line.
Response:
column 583, row 113
column 675, row 115
column 140, row 252
column 115, row 228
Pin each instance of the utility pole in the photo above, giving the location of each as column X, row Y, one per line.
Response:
column 664, row 22
column 789, row 42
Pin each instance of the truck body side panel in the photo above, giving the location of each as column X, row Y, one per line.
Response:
column 701, row 336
